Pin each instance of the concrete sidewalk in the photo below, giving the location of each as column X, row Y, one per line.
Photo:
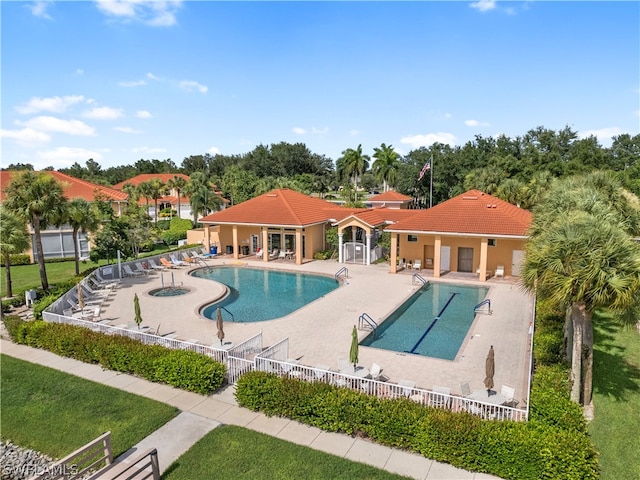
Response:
column 203, row 413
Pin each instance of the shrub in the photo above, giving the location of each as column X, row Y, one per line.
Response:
column 180, row 224
column 171, row 237
column 515, row 450
column 323, row 254
column 19, row 259
column 183, row 369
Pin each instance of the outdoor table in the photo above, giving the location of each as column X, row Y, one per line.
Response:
column 361, row 372
column 496, row 398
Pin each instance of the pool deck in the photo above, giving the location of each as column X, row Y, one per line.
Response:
column 320, row 332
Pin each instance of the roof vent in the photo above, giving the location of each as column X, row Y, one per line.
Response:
column 470, row 197
column 493, row 206
column 272, row 194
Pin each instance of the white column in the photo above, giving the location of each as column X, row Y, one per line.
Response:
column 340, row 247
column 368, row 249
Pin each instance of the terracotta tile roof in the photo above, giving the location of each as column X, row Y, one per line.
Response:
column 474, row 213
column 145, row 177
column 389, row 196
column 72, row 187
column 380, row 216
column 281, row 207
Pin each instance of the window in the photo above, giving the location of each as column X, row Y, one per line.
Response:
column 492, row 242
column 412, row 238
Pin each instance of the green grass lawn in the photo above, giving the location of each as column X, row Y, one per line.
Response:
column 616, row 399
column 234, row 452
column 55, row 413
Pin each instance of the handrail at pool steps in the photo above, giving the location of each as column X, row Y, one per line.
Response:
column 486, row 301
column 417, row 278
column 233, row 319
column 366, row 319
column 343, row 271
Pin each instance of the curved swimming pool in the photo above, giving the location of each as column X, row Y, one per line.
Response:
column 257, row 294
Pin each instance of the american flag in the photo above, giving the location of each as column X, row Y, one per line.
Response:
column 426, row 167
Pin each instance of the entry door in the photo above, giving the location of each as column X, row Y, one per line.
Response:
column 255, row 243
column 445, row 258
column 517, row 258
column 465, row 259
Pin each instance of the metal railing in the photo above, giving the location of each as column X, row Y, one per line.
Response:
column 344, row 271
column 416, row 278
column 233, row 319
column 366, row 319
column 487, row 302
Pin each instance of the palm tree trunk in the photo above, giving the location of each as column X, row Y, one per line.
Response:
column 178, row 203
column 155, row 203
column 40, row 252
column 578, row 320
column 7, row 267
column 587, row 358
column 74, row 235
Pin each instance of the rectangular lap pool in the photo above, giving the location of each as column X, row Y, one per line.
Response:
column 433, row 322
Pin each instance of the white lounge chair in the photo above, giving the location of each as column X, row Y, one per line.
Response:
column 442, row 397
column 130, row 273
column 259, row 252
column 176, row 261
column 155, row 266
column 407, row 386
column 140, row 268
column 376, row 373
column 274, row 254
column 500, row 271
column 417, row 265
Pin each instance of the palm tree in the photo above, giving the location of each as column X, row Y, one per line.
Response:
column 131, row 190
column 177, row 183
column 201, row 195
column 38, row 198
column 581, row 256
column 157, row 189
column 352, row 164
column 145, row 190
column 14, row 239
column 386, row 165
column 82, row 216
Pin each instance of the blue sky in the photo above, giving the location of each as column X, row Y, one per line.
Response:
column 119, row 81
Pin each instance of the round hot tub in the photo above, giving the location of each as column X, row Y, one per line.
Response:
column 169, row 292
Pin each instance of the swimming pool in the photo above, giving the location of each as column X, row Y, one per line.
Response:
column 433, row 322
column 257, row 294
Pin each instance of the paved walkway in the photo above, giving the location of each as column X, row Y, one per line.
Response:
column 200, row 414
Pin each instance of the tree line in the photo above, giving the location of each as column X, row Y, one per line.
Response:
column 515, row 169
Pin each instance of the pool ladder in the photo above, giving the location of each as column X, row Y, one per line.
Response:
column 344, row 271
column 417, row 279
column 487, row 302
column 232, row 317
column 366, row 320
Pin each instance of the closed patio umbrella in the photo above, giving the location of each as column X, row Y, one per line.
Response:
column 136, row 310
column 490, row 370
column 220, row 325
column 353, row 353
column 80, row 298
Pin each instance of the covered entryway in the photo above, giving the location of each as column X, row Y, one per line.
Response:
column 354, row 252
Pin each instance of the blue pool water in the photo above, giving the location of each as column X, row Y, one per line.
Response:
column 259, row 294
column 404, row 330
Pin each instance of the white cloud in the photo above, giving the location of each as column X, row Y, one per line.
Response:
column 53, row 124
column 475, row 123
column 143, row 114
column 133, row 83
column 602, row 133
column 298, row 130
column 80, row 72
column 148, row 150
column 320, row 131
column 152, row 76
column 354, row 133
column 484, row 5
column 126, row 130
column 69, row 155
column 50, row 104
column 149, row 12
column 190, row 85
column 27, row 137
column 103, row 113
column 214, row 151
column 39, row 9
column 417, row 141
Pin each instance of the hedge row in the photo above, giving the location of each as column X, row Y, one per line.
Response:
column 517, row 450
column 179, row 368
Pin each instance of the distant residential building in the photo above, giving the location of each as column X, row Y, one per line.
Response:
column 57, row 242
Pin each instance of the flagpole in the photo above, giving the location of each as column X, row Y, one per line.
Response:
column 431, row 184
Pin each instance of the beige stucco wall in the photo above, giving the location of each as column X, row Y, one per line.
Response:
column 501, row 254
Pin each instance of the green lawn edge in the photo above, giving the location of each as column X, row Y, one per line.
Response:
column 55, row 413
